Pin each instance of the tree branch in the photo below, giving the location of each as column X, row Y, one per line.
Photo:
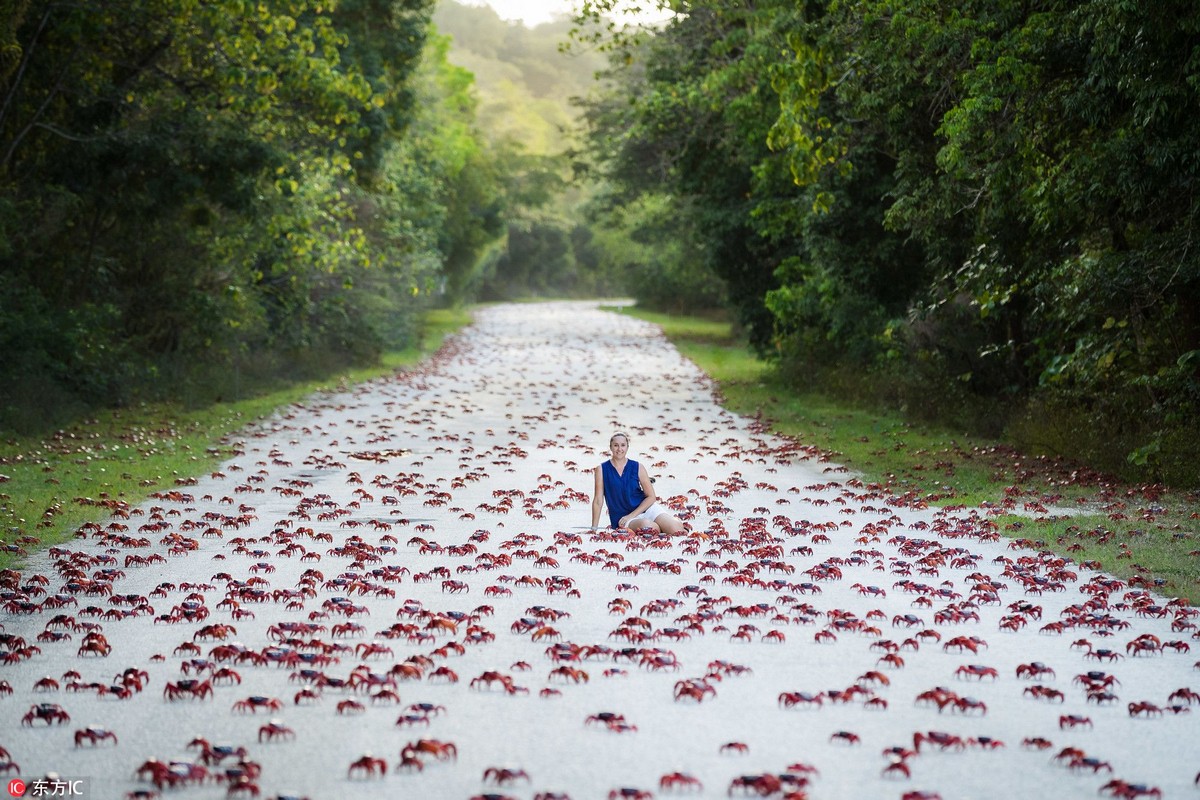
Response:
column 25, row 57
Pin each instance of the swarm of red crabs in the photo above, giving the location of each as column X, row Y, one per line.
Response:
column 330, row 592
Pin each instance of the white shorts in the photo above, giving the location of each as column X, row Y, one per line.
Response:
column 650, row 514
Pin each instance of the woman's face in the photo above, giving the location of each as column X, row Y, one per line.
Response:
column 618, row 446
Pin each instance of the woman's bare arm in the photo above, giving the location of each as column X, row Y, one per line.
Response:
column 597, row 497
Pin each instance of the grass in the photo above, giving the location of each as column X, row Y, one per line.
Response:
column 1143, row 534
column 49, row 486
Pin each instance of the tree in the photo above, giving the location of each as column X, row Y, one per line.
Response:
column 989, row 208
column 687, row 117
column 1043, row 163
column 189, row 168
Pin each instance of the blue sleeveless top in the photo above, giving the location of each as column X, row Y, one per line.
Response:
column 622, row 493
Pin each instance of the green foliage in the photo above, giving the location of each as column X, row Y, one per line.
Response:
column 515, row 217
column 984, row 210
column 201, row 199
column 648, row 250
column 198, row 197
column 80, row 349
column 1063, row 157
column 447, row 175
column 524, row 81
column 537, row 261
column 686, row 116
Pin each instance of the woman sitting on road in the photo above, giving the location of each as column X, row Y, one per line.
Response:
column 626, row 488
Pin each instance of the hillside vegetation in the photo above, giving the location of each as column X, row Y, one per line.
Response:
column 524, row 81
column 526, row 89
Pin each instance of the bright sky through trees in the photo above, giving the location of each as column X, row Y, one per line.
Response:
column 535, row 12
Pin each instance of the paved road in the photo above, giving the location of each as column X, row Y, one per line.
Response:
column 476, row 469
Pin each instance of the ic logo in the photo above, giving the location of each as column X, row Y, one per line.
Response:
column 16, row 787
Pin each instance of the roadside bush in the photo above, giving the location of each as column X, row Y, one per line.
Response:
column 676, row 286
column 58, row 363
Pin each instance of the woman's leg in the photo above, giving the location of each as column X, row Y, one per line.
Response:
column 668, row 523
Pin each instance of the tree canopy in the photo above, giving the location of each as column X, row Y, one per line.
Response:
column 276, row 186
column 984, row 209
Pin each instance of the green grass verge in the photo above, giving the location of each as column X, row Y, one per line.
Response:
column 51, row 486
column 1147, row 535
